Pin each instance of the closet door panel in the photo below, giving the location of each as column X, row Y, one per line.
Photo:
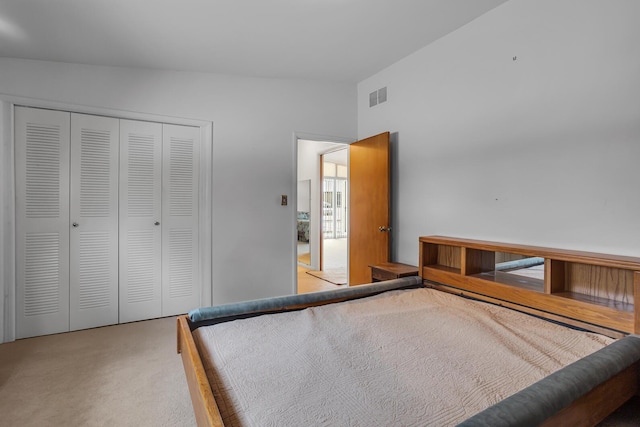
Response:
column 180, row 237
column 140, row 220
column 42, row 221
column 94, row 217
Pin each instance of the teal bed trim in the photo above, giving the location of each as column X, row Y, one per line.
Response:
column 215, row 314
column 534, row 404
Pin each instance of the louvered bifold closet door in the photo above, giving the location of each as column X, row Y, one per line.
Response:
column 93, row 264
column 140, row 220
column 42, row 221
column 180, row 237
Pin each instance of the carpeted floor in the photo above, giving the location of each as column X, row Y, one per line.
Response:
column 123, row 375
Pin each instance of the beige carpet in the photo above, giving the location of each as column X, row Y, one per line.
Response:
column 337, row 276
column 123, row 375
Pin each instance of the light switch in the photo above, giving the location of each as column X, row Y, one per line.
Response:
column 284, row 200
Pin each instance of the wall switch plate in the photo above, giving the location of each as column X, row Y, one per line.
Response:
column 284, row 200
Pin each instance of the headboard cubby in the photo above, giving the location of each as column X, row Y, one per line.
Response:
column 596, row 291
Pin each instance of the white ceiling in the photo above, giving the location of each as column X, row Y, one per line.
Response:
column 338, row 40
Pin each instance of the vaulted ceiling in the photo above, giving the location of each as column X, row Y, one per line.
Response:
column 336, row 40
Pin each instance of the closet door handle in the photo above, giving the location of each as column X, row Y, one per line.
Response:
column 75, row 224
column 156, row 223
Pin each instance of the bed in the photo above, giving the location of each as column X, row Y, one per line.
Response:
column 243, row 370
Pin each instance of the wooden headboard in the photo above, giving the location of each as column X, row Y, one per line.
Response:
column 594, row 291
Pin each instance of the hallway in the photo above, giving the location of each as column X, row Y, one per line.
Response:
column 335, row 259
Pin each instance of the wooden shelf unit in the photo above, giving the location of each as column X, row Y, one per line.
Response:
column 391, row 270
column 591, row 288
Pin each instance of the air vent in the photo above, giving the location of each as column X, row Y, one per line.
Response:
column 382, row 95
column 378, row 97
column 373, row 99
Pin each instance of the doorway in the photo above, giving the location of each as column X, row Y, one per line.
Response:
column 321, row 216
column 367, row 205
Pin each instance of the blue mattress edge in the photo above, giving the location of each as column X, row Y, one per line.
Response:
column 534, row 404
column 278, row 303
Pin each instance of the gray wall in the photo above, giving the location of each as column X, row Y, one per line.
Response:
column 542, row 149
column 254, row 121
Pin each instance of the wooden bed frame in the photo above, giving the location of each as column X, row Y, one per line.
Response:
column 573, row 291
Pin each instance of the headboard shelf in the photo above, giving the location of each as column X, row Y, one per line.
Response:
column 604, row 302
column 599, row 289
column 530, row 283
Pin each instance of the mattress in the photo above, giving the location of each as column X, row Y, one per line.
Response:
column 410, row 357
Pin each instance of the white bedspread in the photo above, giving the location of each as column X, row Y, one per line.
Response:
column 403, row 358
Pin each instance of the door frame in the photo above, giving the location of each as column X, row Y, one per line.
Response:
column 294, row 191
column 7, row 195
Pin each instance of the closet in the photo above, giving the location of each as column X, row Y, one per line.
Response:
column 106, row 220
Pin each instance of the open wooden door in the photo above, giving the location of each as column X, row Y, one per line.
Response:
column 369, row 206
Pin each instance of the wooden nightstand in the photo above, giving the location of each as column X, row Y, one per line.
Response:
column 391, row 270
